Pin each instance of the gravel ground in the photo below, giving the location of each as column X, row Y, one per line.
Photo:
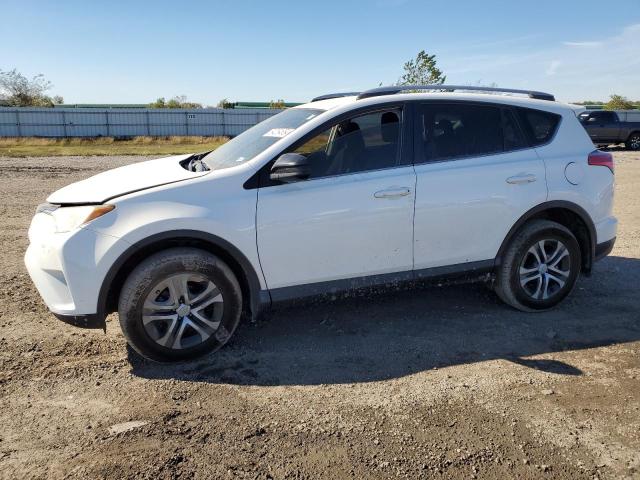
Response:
column 428, row 383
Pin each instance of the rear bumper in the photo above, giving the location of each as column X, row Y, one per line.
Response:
column 606, row 230
column 603, row 249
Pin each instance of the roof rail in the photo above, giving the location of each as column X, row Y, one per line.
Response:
column 376, row 92
column 334, row 95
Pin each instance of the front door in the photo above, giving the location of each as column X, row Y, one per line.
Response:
column 352, row 219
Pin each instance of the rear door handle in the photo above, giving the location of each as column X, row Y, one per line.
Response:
column 523, row 178
column 393, row 192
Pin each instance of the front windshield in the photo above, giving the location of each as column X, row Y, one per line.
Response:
column 253, row 141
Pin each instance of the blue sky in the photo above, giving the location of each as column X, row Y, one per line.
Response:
column 135, row 51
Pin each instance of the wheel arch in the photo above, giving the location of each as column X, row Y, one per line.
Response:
column 253, row 296
column 631, row 134
column 569, row 214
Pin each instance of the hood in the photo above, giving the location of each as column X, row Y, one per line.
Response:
column 128, row 179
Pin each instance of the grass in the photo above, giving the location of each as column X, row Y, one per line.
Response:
column 50, row 147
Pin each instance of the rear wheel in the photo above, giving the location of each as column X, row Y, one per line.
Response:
column 540, row 267
column 179, row 304
column 633, row 143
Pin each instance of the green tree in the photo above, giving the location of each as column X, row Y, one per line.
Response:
column 159, row 103
column 590, row 102
column 618, row 102
column 277, row 104
column 224, row 103
column 179, row 101
column 422, row 70
column 173, row 103
column 20, row 91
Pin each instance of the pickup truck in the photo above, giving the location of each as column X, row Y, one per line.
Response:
column 608, row 127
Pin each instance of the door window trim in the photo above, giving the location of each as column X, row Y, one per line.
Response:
column 261, row 179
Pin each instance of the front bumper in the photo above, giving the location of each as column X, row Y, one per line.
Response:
column 68, row 269
column 83, row 321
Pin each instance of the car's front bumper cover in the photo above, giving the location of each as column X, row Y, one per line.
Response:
column 68, row 269
column 93, row 320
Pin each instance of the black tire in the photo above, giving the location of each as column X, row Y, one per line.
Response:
column 527, row 297
column 185, row 264
column 633, row 142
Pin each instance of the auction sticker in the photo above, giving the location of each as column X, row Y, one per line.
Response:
column 278, row 132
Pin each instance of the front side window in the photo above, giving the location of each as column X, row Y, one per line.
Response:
column 366, row 142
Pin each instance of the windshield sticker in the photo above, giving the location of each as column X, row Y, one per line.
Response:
column 278, row 132
column 310, row 116
column 240, row 159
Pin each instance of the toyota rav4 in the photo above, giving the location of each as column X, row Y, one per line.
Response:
column 348, row 191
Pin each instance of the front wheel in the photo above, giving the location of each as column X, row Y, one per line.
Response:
column 540, row 267
column 633, row 143
column 179, row 304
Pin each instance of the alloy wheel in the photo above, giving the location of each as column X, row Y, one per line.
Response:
column 545, row 269
column 182, row 311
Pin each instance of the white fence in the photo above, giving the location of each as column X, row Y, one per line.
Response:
column 127, row 122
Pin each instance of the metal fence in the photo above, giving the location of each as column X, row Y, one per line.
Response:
column 116, row 122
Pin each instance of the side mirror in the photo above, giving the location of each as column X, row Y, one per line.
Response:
column 290, row 167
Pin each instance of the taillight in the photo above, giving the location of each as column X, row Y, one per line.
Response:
column 602, row 159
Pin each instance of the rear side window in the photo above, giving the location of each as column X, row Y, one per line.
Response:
column 458, row 130
column 539, row 126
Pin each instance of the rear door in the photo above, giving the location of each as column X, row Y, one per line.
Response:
column 476, row 175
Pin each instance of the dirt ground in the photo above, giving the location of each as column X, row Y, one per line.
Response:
column 438, row 382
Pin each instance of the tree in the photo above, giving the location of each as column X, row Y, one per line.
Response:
column 173, row 103
column 179, row 101
column 19, row 91
column 224, row 103
column 618, row 102
column 277, row 104
column 422, row 71
column 590, row 102
column 159, row 103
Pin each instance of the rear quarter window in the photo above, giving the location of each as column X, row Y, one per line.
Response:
column 539, row 126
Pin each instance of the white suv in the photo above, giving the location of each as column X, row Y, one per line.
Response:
column 348, row 191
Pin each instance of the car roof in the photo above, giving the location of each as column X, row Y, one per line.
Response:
column 507, row 99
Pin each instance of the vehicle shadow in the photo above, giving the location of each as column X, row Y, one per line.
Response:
column 390, row 335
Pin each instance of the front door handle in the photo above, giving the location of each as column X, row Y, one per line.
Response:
column 393, row 192
column 523, row 178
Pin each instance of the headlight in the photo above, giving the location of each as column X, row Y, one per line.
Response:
column 70, row 218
